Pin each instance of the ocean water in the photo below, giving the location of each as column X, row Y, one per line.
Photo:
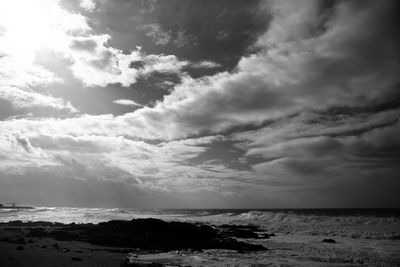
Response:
column 355, row 223
column 364, row 237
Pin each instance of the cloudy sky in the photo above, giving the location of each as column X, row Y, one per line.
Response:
column 185, row 103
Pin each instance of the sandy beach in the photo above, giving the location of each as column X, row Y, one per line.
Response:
column 140, row 243
column 45, row 253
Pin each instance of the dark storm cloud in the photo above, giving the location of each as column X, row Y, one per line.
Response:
column 299, row 152
column 240, row 20
column 192, row 26
column 310, row 58
column 336, row 65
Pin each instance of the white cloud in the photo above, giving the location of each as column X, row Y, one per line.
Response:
column 292, row 75
column 165, row 166
column 88, row 5
column 24, row 74
column 28, row 31
column 206, row 64
column 310, row 58
column 159, row 63
column 49, row 27
column 324, row 149
column 94, row 63
column 29, row 99
column 97, row 64
column 17, row 154
column 310, row 124
column 127, row 102
column 307, row 60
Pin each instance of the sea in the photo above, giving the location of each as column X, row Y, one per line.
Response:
column 362, row 237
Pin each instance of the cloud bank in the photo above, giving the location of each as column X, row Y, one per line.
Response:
column 312, row 106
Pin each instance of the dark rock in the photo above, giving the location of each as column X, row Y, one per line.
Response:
column 251, row 227
column 15, row 240
column 76, row 259
column 37, row 232
column 243, row 231
column 142, row 264
column 12, row 229
column 165, row 236
column 33, row 224
column 265, row 235
column 148, row 234
column 15, row 223
column 20, row 248
column 21, row 241
column 120, row 250
column 64, row 235
column 328, row 240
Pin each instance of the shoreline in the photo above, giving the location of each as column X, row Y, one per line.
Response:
column 155, row 242
column 117, row 243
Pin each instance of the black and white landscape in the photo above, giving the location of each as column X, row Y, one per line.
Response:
column 271, row 127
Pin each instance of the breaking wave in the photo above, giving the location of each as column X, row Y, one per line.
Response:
column 350, row 223
column 357, row 217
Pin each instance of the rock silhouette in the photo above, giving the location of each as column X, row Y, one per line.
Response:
column 147, row 234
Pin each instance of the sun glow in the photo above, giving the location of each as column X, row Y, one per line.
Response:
column 27, row 27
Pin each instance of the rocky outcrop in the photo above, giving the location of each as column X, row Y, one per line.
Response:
column 145, row 234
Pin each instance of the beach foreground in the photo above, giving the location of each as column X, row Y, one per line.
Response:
column 154, row 242
column 118, row 243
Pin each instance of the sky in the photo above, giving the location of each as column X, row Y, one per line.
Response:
column 200, row 104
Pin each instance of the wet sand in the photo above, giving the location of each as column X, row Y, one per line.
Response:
column 67, row 253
